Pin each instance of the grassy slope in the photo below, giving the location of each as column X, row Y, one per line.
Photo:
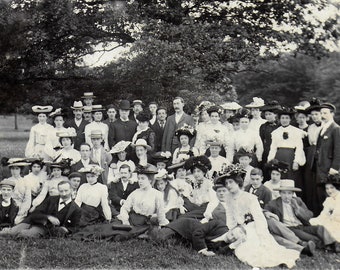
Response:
column 133, row 254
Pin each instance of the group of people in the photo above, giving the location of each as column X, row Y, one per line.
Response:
column 222, row 177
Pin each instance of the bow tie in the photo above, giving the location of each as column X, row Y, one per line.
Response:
column 318, row 124
column 62, row 203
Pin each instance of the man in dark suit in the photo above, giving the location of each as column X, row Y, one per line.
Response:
column 57, row 216
column 293, row 212
column 123, row 127
column 158, row 127
column 85, row 153
column 327, row 156
column 111, row 113
column 118, row 192
column 78, row 123
column 174, row 122
column 137, row 107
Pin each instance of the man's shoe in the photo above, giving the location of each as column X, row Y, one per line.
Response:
column 309, row 249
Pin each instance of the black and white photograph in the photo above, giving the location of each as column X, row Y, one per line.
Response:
column 168, row 134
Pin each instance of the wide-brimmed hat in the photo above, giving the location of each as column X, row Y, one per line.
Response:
column 163, row 175
column 219, row 183
column 92, row 168
column 315, row 105
column 68, row 133
column 124, row 105
column 271, row 106
column 176, row 166
column 215, row 108
column 201, row 162
column 204, row 105
column 186, row 130
column 231, row 106
column 42, row 109
column 256, row 103
column 148, row 169
column 97, row 108
column 214, row 142
column 276, row 165
column 141, row 142
column 77, row 105
column 302, row 107
column 8, row 182
column 119, row 147
column 287, row 185
column 243, row 113
column 232, row 171
column 286, row 111
column 87, row 109
column 57, row 112
column 333, row 180
column 143, row 116
column 129, row 163
column 17, row 162
column 56, row 165
column 137, row 101
column 244, row 153
column 88, row 95
column 160, row 157
column 96, row 134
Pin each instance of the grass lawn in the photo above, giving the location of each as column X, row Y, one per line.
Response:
column 132, row 254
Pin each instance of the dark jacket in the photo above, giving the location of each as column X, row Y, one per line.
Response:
column 7, row 219
column 116, row 193
column 158, row 135
column 302, row 212
column 263, row 194
column 80, row 132
column 123, row 130
column 69, row 217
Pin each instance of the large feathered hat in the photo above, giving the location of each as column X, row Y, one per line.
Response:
column 186, row 130
column 201, row 162
column 276, row 165
column 233, row 171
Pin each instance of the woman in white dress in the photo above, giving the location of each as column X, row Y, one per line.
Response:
column 92, row 197
column 330, row 215
column 145, row 203
column 52, row 141
column 39, row 133
column 259, row 248
column 67, row 151
column 16, row 166
column 215, row 131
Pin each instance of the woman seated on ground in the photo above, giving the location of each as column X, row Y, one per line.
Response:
column 202, row 191
column 180, row 182
column 67, row 151
column 259, row 249
column 28, row 188
column 50, row 185
column 92, row 197
column 145, row 204
column 8, row 208
column 330, row 215
column 173, row 203
column 16, row 166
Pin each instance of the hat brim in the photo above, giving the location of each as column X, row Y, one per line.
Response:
column 19, row 164
column 288, row 189
column 77, row 108
column 177, row 165
column 88, row 96
column 148, row 147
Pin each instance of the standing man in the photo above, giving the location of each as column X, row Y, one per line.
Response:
column 111, row 113
column 174, row 122
column 88, row 98
column 123, row 127
column 158, row 128
column 78, row 123
column 137, row 107
column 153, row 110
column 87, row 113
column 327, row 156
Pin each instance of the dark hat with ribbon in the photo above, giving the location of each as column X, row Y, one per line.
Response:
column 243, row 113
column 276, row 165
column 214, row 108
column 233, row 171
column 143, row 116
column 201, row 162
column 271, row 106
column 186, row 130
column 333, row 179
column 286, row 111
column 315, row 105
column 149, row 169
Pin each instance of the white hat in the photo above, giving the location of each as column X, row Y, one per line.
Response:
column 119, row 147
column 77, row 105
column 232, row 106
column 288, row 185
column 88, row 95
column 42, row 109
column 256, row 103
column 142, row 142
column 68, row 133
column 128, row 163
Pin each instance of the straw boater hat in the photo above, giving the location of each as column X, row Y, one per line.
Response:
column 87, row 109
column 137, row 101
column 42, row 109
column 97, row 108
column 256, row 103
column 231, row 106
column 88, row 95
column 96, row 134
column 287, row 185
column 69, row 133
column 119, row 147
column 17, row 162
column 77, row 105
column 8, row 182
column 57, row 112
column 141, row 142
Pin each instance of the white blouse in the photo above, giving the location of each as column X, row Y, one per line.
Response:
column 94, row 195
column 249, row 140
column 203, row 193
column 313, row 133
column 182, row 187
column 144, row 202
column 217, row 163
column 37, row 140
column 294, row 141
column 52, row 141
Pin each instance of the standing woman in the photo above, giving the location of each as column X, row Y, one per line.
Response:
column 287, row 146
column 92, row 197
column 248, row 138
column 144, row 131
column 204, row 118
column 259, row 248
column 144, row 203
column 39, row 133
column 67, row 151
column 184, row 151
column 52, row 141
